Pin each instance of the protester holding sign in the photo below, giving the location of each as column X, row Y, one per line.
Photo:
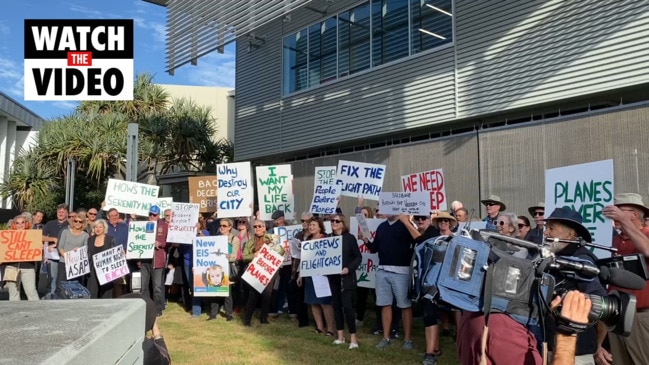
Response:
column 153, row 270
column 301, row 307
column 24, row 271
column 225, row 226
column 343, row 286
column 243, row 236
column 97, row 243
column 251, row 250
column 70, row 240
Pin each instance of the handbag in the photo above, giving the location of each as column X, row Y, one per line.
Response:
column 234, row 271
column 12, row 274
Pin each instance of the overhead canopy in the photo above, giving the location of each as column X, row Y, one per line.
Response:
column 198, row 27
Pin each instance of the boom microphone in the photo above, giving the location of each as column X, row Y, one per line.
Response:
column 621, row 278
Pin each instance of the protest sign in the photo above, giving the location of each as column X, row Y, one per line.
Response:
column 21, row 245
column 77, row 263
column 110, row 265
column 324, row 175
column 165, row 203
column 275, row 191
column 184, row 217
column 202, row 191
column 366, row 272
column 51, row 255
column 325, row 199
column 141, row 239
column 586, row 188
column 363, row 227
column 322, row 256
column 235, row 190
column 130, row 197
column 416, row 203
column 211, row 267
column 261, row 270
column 286, row 234
column 431, row 181
column 360, row 179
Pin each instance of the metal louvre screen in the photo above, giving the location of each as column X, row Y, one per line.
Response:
column 197, row 27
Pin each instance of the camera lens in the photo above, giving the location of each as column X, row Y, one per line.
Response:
column 616, row 311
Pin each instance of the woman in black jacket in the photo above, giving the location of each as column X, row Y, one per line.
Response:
column 343, row 286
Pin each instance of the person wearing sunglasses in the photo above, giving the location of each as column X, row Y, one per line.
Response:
column 71, row 239
column 523, row 228
column 243, row 236
column 494, row 207
column 252, row 248
column 538, row 214
column 225, row 229
column 302, row 308
column 27, row 276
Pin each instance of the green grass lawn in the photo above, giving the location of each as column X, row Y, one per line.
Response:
column 197, row 341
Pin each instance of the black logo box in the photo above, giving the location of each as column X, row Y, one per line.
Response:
column 31, row 52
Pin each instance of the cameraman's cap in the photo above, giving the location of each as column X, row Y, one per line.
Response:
column 533, row 208
column 154, row 210
column 277, row 214
column 496, row 200
column 572, row 219
column 632, row 199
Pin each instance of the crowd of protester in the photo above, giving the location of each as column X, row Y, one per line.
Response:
column 168, row 276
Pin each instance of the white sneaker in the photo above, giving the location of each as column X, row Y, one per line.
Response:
column 353, row 346
column 339, row 342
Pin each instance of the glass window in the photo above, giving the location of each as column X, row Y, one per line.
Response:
column 432, row 24
column 295, row 62
column 315, row 48
column 354, row 41
column 389, row 31
column 329, row 48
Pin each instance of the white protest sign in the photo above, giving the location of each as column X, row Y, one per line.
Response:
column 165, row 203
column 275, row 191
column 51, row 255
column 76, row 263
column 431, row 181
column 363, row 227
column 322, row 256
column 586, row 188
column 130, row 197
column 360, row 179
column 110, row 265
column 324, row 175
column 366, row 272
column 325, row 199
column 235, row 190
column 409, row 203
column 261, row 270
column 141, row 239
column 184, row 217
column 211, row 271
column 286, row 234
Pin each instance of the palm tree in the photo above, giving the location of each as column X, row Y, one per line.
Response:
column 30, row 180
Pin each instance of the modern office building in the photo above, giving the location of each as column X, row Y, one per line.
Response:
column 19, row 128
column 494, row 93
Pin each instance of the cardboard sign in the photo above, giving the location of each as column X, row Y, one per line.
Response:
column 141, row 239
column 408, row 203
column 360, row 179
column 366, row 272
column 110, row 265
column 211, row 267
column 325, row 199
column 130, row 197
column 586, row 188
column 235, row 190
column 202, row 191
column 286, row 234
column 78, row 59
column 275, row 191
column 261, row 270
column 77, row 263
column 322, row 256
column 184, row 217
column 21, row 245
column 431, row 181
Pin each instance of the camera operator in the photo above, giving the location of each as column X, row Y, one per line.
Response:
column 565, row 223
column 628, row 213
column 575, row 308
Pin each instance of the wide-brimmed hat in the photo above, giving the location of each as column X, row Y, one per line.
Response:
column 494, row 199
column 444, row 215
column 572, row 219
column 632, row 199
column 540, row 205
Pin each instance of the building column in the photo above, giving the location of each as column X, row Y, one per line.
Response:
column 10, row 154
column 4, row 173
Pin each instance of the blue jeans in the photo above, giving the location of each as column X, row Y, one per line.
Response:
column 188, row 279
column 53, row 272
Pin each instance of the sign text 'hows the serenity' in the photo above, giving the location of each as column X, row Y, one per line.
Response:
column 78, row 59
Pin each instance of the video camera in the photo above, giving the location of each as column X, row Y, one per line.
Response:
column 477, row 272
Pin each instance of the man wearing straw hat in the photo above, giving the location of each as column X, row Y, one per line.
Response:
column 628, row 213
column 537, row 212
column 494, row 207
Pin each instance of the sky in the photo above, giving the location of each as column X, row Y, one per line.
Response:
column 214, row 69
